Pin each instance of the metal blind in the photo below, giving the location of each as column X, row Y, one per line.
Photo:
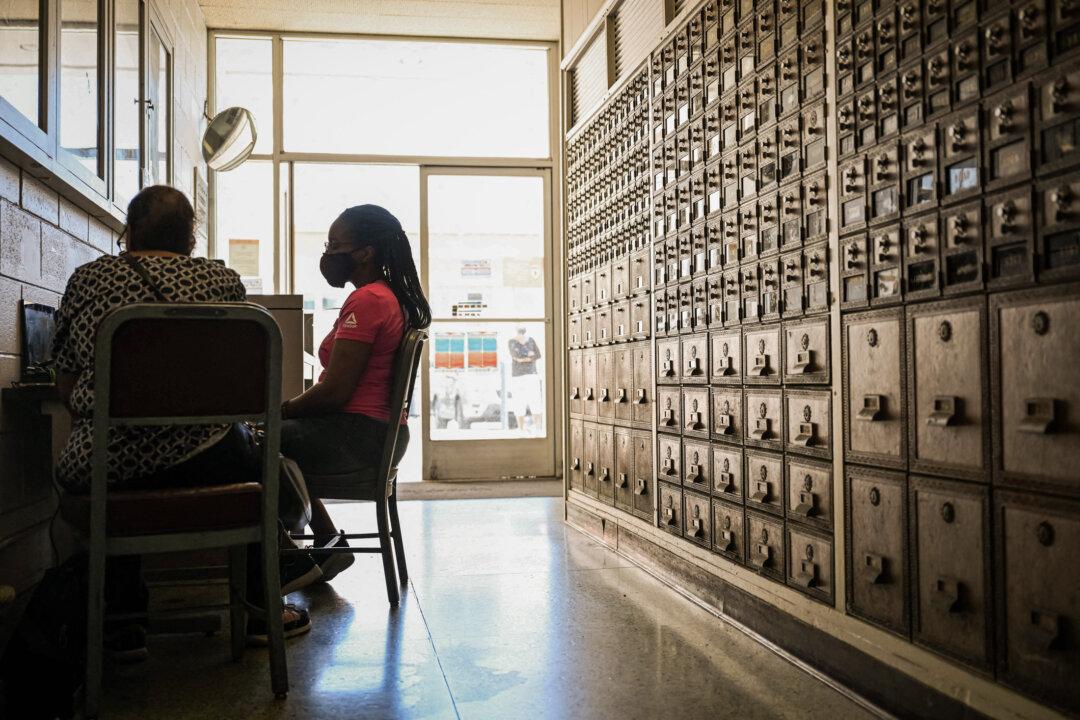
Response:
column 636, row 25
column 588, row 79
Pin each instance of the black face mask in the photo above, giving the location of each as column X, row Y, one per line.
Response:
column 337, row 268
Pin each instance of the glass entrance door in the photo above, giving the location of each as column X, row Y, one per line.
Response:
column 485, row 239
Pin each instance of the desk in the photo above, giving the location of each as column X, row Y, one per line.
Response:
column 42, row 401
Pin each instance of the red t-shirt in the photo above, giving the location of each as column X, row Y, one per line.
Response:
column 371, row 314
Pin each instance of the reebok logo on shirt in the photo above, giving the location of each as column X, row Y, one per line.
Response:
column 349, row 321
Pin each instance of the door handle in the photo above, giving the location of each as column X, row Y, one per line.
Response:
column 807, row 575
column 621, row 397
column 807, row 506
column 1039, row 416
column 641, row 396
column 873, row 408
column 761, row 558
column 622, row 480
column 874, row 569
column 945, row 412
column 1042, row 632
column 947, row 595
column 641, row 487
column 728, row 540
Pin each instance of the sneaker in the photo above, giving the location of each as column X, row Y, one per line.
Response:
column 295, row 621
column 127, row 644
column 298, row 571
column 332, row 564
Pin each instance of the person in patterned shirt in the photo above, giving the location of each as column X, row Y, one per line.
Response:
column 161, row 238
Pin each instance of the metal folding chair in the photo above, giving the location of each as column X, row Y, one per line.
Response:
column 185, row 364
column 378, row 485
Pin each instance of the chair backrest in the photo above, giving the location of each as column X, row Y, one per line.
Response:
column 406, row 363
column 186, row 364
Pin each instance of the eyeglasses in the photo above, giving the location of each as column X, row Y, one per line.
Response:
column 339, row 247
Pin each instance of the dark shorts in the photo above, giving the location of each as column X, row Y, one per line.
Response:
column 338, row 443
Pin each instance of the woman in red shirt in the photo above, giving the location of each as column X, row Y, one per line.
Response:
column 339, row 424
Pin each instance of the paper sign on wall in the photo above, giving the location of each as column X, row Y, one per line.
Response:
column 244, row 256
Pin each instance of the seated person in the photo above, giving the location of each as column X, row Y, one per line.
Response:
column 156, row 267
column 339, row 425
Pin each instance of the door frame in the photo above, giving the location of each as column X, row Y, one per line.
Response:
column 456, row 460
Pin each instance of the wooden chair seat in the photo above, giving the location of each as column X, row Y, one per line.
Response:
column 170, row 510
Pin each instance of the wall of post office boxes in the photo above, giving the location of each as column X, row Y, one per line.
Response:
column 699, row 203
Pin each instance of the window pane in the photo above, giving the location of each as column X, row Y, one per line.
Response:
column 245, row 223
column 244, row 77
column 486, row 236
column 79, row 80
column 393, row 97
column 322, row 192
column 20, row 63
column 487, row 381
column 159, row 90
column 127, row 108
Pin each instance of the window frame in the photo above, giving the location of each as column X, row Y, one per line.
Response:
column 40, row 143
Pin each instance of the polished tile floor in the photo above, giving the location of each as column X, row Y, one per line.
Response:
column 509, row 613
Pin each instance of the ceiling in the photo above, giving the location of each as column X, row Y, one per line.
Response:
column 505, row 19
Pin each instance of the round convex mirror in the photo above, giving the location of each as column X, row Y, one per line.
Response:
column 229, row 139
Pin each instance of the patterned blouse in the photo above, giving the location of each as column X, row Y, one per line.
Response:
column 94, row 290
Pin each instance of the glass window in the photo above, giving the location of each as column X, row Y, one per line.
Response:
column 486, row 234
column 20, row 55
column 79, row 81
column 244, row 77
column 245, row 223
column 396, row 97
column 159, row 92
column 127, row 109
column 322, row 191
column 487, row 380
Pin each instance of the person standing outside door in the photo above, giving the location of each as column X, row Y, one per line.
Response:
column 526, row 388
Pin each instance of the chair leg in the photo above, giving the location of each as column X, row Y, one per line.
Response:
column 279, row 673
column 95, row 629
column 237, row 593
column 387, row 551
column 399, row 544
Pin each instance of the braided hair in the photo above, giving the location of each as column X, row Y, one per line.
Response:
column 371, row 225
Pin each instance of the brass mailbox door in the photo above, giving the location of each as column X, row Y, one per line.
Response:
column 765, row 481
column 623, row 387
column 727, row 414
column 640, row 318
column 947, row 381
column 605, row 461
column 623, row 478
column 605, row 385
column 807, row 352
column 762, row 349
column 765, row 545
column 1038, row 578
column 877, row 548
column 854, row 275
column 808, row 422
column 696, row 467
column 669, row 409
column 950, row 537
column 962, row 248
column 591, row 470
column 727, row 473
column 602, row 285
column 591, row 379
column 763, row 415
column 642, row 396
column 695, row 414
column 668, row 363
column 810, row 563
column 643, row 475
column 1036, row 385
column 639, row 272
column 695, row 359
column 669, row 459
column 808, row 485
column 577, row 384
column 1010, row 238
column 697, row 518
column 725, row 357
column 620, row 278
column 728, row 536
column 671, row 507
column 875, row 416
column 577, row 458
